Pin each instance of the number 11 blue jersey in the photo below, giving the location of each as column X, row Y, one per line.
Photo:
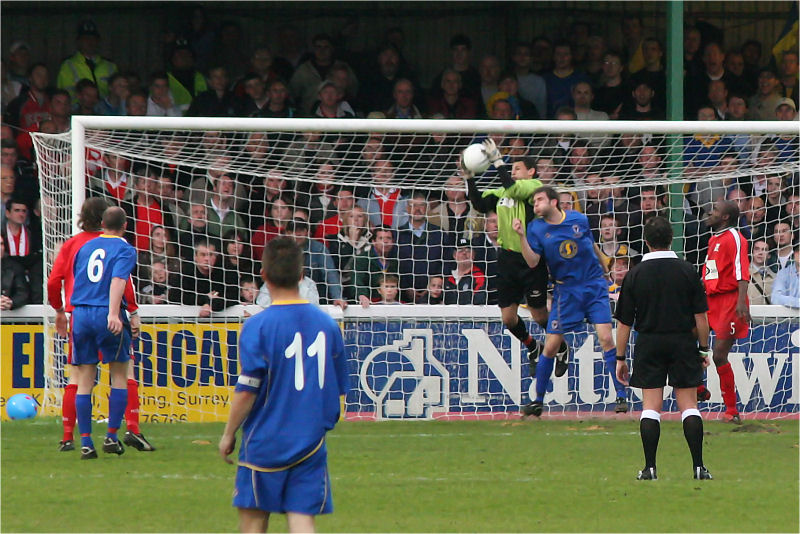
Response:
column 97, row 262
column 293, row 358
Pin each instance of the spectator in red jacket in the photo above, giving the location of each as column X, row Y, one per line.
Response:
column 466, row 284
column 33, row 103
column 280, row 215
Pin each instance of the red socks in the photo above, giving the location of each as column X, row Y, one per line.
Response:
column 132, row 409
column 728, row 388
column 68, row 412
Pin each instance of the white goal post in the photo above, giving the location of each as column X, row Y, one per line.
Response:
column 422, row 360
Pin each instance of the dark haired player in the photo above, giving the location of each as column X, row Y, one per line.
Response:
column 564, row 240
column 726, row 275
column 293, row 371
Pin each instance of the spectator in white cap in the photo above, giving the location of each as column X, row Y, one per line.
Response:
column 786, row 110
column 331, row 103
column 18, row 62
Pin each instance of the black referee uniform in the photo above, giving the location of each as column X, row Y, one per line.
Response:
column 659, row 298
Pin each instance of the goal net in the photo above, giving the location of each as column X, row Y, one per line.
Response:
column 389, row 227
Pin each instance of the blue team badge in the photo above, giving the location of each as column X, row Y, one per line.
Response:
column 554, row 325
column 568, row 249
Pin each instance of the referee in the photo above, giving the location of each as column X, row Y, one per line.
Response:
column 664, row 297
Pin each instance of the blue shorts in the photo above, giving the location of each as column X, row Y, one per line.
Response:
column 90, row 335
column 303, row 489
column 573, row 304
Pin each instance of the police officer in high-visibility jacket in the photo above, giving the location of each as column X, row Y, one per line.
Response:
column 86, row 63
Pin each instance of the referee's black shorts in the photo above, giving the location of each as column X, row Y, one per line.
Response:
column 657, row 356
column 516, row 280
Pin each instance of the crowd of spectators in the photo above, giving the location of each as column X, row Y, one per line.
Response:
column 368, row 234
column 329, row 80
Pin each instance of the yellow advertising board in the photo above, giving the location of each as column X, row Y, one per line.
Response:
column 186, row 372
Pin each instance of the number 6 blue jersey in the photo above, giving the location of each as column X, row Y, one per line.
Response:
column 96, row 263
column 293, row 358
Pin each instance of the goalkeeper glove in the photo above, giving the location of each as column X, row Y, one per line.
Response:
column 492, row 153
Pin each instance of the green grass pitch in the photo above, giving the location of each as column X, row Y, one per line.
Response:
column 470, row 476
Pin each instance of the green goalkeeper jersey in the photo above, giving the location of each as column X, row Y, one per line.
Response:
column 511, row 205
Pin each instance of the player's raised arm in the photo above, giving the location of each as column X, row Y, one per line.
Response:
column 530, row 256
column 482, row 203
column 496, row 159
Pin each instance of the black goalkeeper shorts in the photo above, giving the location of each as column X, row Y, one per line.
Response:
column 515, row 281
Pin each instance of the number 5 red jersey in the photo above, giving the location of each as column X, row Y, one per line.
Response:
column 726, row 263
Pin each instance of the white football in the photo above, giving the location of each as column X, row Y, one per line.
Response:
column 474, row 157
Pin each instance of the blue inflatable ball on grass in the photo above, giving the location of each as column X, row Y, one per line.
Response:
column 21, row 406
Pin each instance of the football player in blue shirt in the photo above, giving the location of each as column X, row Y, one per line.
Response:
column 99, row 322
column 293, row 371
column 564, row 240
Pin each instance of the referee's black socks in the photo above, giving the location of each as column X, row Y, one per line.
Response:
column 693, row 432
column 650, row 429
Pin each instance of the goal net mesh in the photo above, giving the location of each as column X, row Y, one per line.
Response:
column 385, row 219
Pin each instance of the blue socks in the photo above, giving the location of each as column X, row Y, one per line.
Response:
column 610, row 360
column 116, row 407
column 116, row 410
column 544, row 368
column 83, row 409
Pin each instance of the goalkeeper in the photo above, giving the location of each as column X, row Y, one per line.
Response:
column 515, row 279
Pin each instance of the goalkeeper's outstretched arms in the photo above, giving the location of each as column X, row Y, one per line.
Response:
column 482, row 203
column 496, row 159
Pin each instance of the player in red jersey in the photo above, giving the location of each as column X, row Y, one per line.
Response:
column 90, row 219
column 726, row 275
